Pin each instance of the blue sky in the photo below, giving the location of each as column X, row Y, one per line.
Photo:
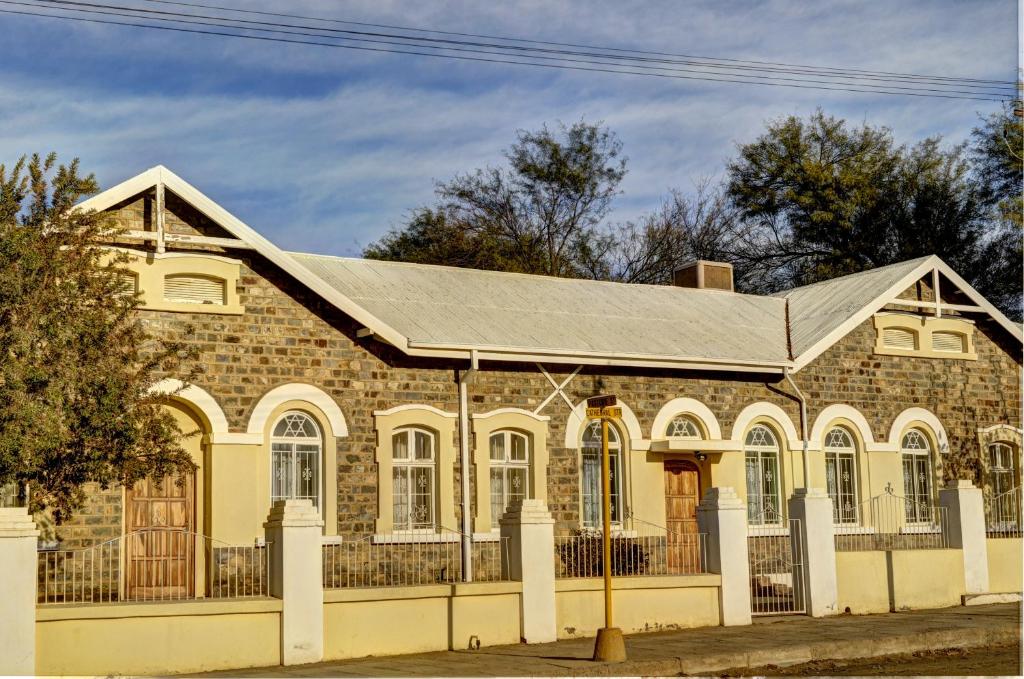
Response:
column 324, row 150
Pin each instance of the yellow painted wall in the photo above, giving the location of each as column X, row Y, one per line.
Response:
column 926, row 578
column 863, row 582
column 235, row 503
column 641, row 604
column 1005, row 564
column 490, row 612
column 166, row 638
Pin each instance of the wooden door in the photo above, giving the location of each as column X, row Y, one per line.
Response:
column 160, row 542
column 682, row 493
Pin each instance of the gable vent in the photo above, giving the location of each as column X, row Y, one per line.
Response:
column 948, row 341
column 194, row 289
column 898, row 338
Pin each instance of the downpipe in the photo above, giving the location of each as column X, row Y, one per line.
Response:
column 466, row 377
column 803, row 421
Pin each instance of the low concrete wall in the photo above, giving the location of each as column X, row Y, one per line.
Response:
column 398, row 620
column 164, row 638
column 862, row 581
column 1005, row 564
column 926, row 578
column 639, row 604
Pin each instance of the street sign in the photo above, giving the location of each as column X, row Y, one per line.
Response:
column 601, row 401
column 604, row 412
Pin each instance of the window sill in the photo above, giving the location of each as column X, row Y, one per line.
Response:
column 920, row 529
column 330, row 539
column 852, row 529
column 754, row 531
column 493, row 536
column 413, row 537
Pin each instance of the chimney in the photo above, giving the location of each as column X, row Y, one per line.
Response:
column 704, row 275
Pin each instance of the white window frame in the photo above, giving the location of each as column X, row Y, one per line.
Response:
column 763, row 456
column 615, row 452
column 835, row 455
column 290, row 444
column 1002, row 479
column 506, row 466
column 919, row 492
column 408, row 466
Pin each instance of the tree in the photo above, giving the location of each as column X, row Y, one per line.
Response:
column 76, row 366
column 538, row 215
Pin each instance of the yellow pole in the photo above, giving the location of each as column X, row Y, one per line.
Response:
column 606, row 519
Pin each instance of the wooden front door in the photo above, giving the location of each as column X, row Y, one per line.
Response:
column 682, row 493
column 160, row 542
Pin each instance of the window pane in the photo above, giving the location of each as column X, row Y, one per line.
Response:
column 422, row 505
column 613, row 477
column 281, row 471
column 424, row 446
column 518, row 453
column 400, row 446
column 591, row 489
column 498, row 446
column 847, row 498
column 518, row 485
column 400, row 497
column 770, row 487
column 753, row 474
column 307, row 472
column 831, row 483
column 497, row 494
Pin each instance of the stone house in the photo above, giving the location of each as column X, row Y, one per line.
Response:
column 414, row 402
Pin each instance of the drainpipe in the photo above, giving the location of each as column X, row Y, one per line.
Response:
column 803, row 420
column 465, row 378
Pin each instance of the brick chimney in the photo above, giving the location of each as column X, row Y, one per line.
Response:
column 704, row 275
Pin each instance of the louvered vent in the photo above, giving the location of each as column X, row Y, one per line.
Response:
column 194, row 289
column 898, row 338
column 948, row 341
column 127, row 284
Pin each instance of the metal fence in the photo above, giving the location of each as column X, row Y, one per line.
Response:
column 411, row 558
column 647, row 549
column 776, row 558
column 1003, row 515
column 153, row 565
column 892, row 522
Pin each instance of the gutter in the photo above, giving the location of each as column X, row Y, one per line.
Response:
column 466, row 377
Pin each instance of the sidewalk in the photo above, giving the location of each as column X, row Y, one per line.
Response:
column 776, row 641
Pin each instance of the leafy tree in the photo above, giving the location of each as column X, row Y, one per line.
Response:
column 76, row 365
column 538, row 215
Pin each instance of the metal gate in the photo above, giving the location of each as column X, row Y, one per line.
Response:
column 777, row 576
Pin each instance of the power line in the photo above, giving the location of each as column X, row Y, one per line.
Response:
column 378, row 38
column 583, row 46
column 865, row 89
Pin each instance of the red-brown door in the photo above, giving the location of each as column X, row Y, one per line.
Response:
column 160, row 540
column 682, row 493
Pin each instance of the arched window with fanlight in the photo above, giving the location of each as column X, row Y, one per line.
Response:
column 841, row 475
column 414, row 453
column 296, row 446
column 591, row 482
column 916, row 452
column 683, row 427
column 764, row 498
column 510, row 471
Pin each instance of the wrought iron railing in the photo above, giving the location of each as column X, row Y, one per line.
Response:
column 1003, row 515
column 153, row 565
column 892, row 522
column 643, row 549
column 412, row 558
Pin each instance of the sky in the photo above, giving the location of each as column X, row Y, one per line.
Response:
column 324, row 150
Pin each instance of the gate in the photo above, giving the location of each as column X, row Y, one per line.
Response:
column 777, row 576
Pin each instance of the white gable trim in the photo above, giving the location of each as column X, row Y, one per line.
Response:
column 932, row 264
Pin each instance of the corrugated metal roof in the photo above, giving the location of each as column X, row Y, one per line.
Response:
column 440, row 306
column 817, row 310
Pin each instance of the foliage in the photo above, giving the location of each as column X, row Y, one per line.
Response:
column 583, row 555
column 76, row 366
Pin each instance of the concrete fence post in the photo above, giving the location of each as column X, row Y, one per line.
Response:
column 965, row 530
column 817, row 543
column 722, row 517
column 293, row 529
column 530, row 530
column 18, row 541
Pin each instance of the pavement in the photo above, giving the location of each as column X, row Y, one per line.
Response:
column 769, row 641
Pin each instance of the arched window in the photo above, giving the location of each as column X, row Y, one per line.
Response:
column 510, row 471
column 412, row 474
column 592, row 496
column 917, row 476
column 764, row 499
column 1002, row 468
column 683, row 427
column 841, row 475
column 296, row 447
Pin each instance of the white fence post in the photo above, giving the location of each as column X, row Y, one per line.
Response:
column 530, row 530
column 18, row 540
column 965, row 530
column 722, row 516
column 293, row 529
column 813, row 508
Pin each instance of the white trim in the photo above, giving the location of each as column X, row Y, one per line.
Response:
column 846, row 412
column 510, row 411
column 427, row 535
column 197, row 397
column 996, row 427
column 686, row 406
column 772, row 412
column 414, row 406
column 928, row 418
column 145, row 254
column 296, row 391
column 578, row 419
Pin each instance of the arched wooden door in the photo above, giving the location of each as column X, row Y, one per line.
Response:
column 160, row 544
column 682, row 494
